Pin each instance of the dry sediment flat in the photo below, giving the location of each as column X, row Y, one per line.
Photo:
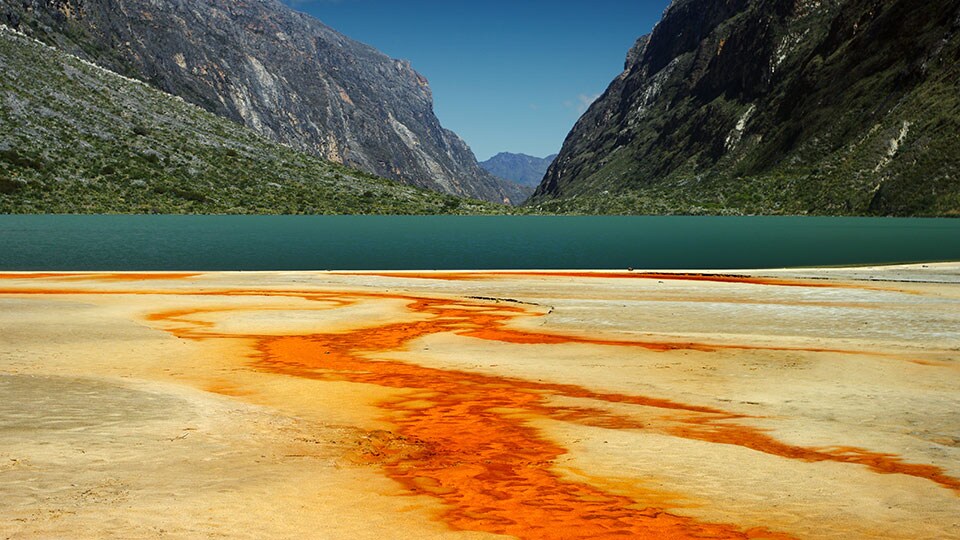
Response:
column 820, row 403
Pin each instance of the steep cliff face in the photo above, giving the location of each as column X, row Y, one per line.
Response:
column 77, row 138
column 775, row 106
column 280, row 72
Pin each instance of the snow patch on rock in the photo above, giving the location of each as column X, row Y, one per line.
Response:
column 733, row 139
column 893, row 146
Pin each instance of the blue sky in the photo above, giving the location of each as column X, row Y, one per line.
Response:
column 506, row 75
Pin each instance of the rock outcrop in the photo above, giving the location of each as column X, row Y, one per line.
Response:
column 76, row 138
column 278, row 71
column 843, row 107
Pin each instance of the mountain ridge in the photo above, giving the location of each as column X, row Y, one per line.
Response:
column 523, row 169
column 77, row 138
column 833, row 107
column 283, row 73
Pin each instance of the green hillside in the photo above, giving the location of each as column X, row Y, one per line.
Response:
column 847, row 107
column 75, row 138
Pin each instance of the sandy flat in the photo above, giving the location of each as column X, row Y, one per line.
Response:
column 810, row 403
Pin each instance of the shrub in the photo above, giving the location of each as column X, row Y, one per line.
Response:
column 152, row 157
column 9, row 186
column 189, row 194
column 451, row 202
column 13, row 157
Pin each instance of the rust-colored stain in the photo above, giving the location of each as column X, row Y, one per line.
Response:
column 466, row 438
column 454, row 441
column 34, row 275
column 111, row 276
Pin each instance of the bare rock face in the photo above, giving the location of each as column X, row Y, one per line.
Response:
column 841, row 107
column 283, row 73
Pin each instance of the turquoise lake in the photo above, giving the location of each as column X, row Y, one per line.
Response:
column 452, row 242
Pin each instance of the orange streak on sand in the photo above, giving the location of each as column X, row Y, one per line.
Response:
column 33, row 275
column 113, row 276
column 491, row 469
column 465, row 438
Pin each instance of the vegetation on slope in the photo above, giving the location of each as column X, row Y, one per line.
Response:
column 75, row 138
column 284, row 74
column 834, row 107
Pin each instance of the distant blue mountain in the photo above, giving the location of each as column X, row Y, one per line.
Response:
column 520, row 168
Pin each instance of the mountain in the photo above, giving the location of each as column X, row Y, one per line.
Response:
column 520, row 168
column 280, row 72
column 844, row 107
column 76, row 138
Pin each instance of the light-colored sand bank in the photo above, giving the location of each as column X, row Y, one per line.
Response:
column 777, row 404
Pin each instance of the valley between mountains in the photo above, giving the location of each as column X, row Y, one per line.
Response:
column 798, row 107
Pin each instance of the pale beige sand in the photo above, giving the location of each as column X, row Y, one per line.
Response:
column 112, row 426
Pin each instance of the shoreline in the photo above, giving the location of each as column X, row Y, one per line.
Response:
column 920, row 265
column 737, row 408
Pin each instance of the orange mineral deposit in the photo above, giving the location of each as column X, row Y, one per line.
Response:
column 466, row 439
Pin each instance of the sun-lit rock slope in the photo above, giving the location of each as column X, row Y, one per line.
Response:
column 280, row 72
column 76, row 138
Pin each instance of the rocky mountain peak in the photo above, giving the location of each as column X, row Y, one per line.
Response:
column 775, row 106
column 278, row 71
column 635, row 54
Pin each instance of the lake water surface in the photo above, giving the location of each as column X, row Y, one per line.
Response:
column 450, row 242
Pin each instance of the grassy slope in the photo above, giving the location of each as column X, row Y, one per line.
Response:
column 75, row 138
column 828, row 157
